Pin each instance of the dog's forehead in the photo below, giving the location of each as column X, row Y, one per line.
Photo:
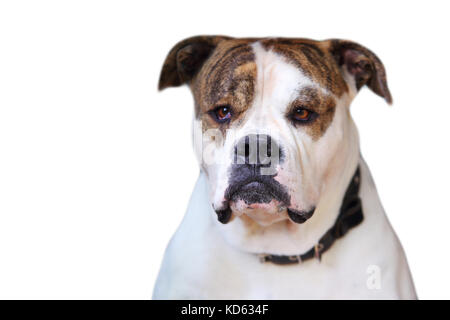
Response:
column 313, row 60
column 229, row 75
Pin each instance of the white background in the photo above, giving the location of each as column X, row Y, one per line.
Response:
column 96, row 166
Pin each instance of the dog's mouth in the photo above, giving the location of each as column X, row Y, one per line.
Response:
column 262, row 199
column 254, row 192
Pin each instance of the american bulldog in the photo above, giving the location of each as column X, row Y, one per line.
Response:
column 285, row 206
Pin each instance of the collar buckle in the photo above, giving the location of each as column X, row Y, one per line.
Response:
column 318, row 247
column 297, row 258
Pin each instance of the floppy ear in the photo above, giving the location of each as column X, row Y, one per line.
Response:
column 361, row 63
column 185, row 59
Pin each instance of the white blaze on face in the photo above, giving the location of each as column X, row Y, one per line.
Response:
column 307, row 162
column 278, row 84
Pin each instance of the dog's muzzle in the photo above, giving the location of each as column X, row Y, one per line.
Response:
column 252, row 179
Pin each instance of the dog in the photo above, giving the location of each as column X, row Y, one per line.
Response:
column 285, row 206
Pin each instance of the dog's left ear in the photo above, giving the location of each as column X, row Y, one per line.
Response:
column 363, row 65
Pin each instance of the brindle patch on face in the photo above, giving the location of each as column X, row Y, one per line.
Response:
column 313, row 58
column 315, row 61
column 314, row 99
column 227, row 78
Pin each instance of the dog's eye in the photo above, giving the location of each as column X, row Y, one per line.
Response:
column 221, row 114
column 303, row 115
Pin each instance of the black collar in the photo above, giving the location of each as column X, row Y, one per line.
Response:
column 350, row 215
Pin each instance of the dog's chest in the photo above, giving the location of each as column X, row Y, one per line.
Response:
column 215, row 270
column 241, row 276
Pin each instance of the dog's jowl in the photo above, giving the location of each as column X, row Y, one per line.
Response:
column 285, row 206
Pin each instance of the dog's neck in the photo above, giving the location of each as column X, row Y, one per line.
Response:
column 286, row 237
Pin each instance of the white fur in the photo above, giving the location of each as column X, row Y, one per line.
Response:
column 206, row 259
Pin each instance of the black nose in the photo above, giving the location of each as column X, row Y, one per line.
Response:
column 258, row 150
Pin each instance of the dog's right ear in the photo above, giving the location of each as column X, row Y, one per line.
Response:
column 185, row 59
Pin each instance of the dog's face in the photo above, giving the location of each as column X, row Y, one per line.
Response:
column 272, row 121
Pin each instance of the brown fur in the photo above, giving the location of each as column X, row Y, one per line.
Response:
column 227, row 78
column 315, row 100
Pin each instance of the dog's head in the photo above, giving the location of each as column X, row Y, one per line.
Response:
column 272, row 121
